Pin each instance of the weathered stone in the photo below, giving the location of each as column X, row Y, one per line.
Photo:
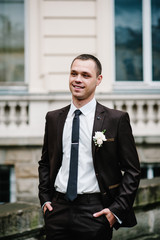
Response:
column 36, row 155
column 149, row 237
column 25, row 221
column 147, row 227
column 157, row 221
column 25, row 160
column 148, row 216
column 2, row 156
column 24, row 170
column 18, row 219
column 29, row 186
column 18, row 155
column 148, row 192
column 149, row 154
column 152, row 153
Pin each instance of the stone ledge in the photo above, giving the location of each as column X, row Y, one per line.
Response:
column 21, row 141
column 147, row 210
column 148, row 193
column 146, row 229
column 38, row 141
column 18, row 220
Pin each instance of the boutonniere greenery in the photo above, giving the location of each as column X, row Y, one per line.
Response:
column 99, row 138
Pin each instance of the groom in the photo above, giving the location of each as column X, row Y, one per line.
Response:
column 86, row 148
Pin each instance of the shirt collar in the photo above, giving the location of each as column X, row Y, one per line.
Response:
column 86, row 109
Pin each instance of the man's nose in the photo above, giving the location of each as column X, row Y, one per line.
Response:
column 78, row 78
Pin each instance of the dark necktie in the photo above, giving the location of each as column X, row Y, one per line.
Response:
column 71, row 193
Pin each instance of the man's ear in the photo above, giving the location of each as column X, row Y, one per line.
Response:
column 99, row 79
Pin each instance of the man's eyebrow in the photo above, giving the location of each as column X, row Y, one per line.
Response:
column 83, row 72
column 86, row 73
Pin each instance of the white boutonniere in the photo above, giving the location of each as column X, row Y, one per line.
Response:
column 99, row 138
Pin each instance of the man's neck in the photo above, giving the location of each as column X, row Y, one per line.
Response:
column 78, row 103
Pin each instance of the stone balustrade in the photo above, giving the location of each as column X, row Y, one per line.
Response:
column 144, row 111
column 20, row 113
column 14, row 112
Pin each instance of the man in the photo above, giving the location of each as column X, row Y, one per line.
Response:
column 82, row 190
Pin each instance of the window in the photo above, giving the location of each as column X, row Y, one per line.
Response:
column 137, row 38
column 156, row 39
column 11, row 41
column 128, row 36
column 150, row 171
column 7, row 184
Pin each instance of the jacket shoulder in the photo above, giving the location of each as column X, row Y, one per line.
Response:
column 56, row 112
column 112, row 112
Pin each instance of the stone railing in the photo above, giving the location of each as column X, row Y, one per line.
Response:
column 25, row 115
column 14, row 112
column 144, row 111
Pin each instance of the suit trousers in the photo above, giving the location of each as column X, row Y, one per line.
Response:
column 74, row 220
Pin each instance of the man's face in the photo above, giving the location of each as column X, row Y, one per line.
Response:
column 83, row 79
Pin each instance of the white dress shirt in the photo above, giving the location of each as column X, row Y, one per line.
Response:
column 87, row 182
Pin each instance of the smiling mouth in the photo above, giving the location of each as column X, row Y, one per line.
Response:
column 77, row 87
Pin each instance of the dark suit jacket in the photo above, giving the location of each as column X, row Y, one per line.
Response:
column 118, row 154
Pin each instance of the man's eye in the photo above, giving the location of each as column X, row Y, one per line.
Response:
column 85, row 75
column 73, row 74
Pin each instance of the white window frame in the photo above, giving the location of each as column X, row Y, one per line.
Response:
column 147, row 83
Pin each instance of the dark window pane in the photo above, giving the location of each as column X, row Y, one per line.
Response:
column 128, row 37
column 4, row 184
column 156, row 39
column 11, row 41
column 156, row 171
column 143, row 172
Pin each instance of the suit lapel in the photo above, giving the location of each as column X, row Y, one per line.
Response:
column 98, row 123
column 97, row 126
column 61, row 121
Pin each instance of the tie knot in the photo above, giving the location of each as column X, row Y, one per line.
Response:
column 77, row 112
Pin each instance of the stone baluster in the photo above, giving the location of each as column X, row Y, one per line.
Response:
column 151, row 116
column 2, row 113
column 129, row 109
column 158, row 113
column 140, row 112
column 119, row 104
column 12, row 113
column 23, row 113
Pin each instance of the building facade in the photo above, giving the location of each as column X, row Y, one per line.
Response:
column 38, row 41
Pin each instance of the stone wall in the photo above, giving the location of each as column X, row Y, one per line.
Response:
column 149, row 153
column 25, row 161
column 21, row 221
column 147, row 209
column 24, row 221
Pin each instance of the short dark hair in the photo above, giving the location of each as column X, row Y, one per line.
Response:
column 84, row 57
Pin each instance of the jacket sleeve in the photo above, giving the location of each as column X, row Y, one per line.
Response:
column 129, row 165
column 44, row 170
